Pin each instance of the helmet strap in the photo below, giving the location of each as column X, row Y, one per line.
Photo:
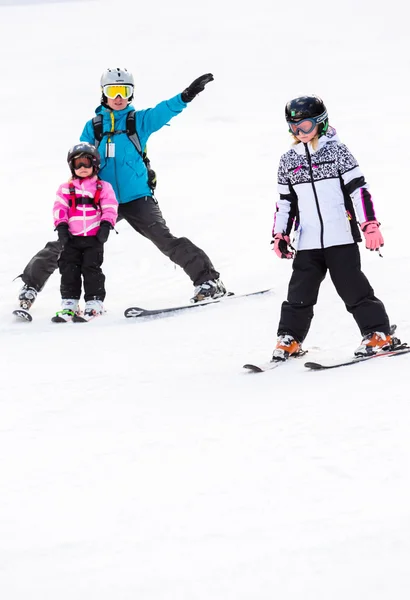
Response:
column 324, row 127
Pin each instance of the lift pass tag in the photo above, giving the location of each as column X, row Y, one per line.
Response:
column 110, row 150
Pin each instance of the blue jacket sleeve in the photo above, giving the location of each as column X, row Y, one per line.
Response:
column 152, row 119
column 88, row 133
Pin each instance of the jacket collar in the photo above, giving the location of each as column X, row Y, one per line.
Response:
column 84, row 180
column 102, row 110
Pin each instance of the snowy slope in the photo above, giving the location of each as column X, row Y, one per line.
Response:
column 138, row 461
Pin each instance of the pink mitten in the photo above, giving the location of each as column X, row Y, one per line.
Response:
column 372, row 234
column 281, row 246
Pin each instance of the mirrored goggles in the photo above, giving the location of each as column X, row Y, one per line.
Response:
column 306, row 126
column 112, row 91
column 82, row 161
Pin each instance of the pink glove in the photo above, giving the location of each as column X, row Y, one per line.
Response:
column 281, row 246
column 372, row 234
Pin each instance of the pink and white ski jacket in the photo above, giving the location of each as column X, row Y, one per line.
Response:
column 84, row 219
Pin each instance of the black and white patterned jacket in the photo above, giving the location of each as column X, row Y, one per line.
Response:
column 322, row 195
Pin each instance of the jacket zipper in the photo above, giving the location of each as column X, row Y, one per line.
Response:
column 112, row 118
column 315, row 194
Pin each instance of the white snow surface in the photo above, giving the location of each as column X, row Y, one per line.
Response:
column 137, row 459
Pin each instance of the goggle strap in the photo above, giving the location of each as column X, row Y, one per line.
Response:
column 321, row 117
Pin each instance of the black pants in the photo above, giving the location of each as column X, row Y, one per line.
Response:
column 144, row 215
column 309, row 270
column 82, row 256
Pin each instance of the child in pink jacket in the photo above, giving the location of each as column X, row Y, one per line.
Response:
column 84, row 211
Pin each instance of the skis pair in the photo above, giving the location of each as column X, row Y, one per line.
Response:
column 24, row 315
column 75, row 317
column 396, row 349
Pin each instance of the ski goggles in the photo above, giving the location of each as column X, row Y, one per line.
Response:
column 82, row 161
column 112, row 91
column 306, row 126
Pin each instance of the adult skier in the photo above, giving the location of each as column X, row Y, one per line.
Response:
column 124, row 167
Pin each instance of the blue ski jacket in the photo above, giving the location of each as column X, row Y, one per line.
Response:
column 122, row 166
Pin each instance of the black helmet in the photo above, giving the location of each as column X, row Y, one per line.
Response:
column 84, row 149
column 307, row 107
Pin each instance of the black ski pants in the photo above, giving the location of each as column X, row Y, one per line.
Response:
column 309, row 270
column 144, row 215
column 82, row 256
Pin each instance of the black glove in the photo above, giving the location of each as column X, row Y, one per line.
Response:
column 63, row 234
column 103, row 232
column 196, row 87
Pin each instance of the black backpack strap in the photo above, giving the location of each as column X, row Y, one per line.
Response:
column 133, row 137
column 98, row 130
column 132, row 133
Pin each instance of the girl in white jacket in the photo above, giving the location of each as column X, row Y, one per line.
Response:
column 324, row 198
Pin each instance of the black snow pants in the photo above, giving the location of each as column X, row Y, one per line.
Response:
column 82, row 256
column 309, row 270
column 144, row 215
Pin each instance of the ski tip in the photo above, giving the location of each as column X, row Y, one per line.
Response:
column 313, row 366
column 79, row 319
column 23, row 314
column 253, row 368
column 133, row 311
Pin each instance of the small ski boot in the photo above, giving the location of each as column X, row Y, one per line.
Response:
column 27, row 297
column 286, row 346
column 93, row 308
column 214, row 288
column 376, row 342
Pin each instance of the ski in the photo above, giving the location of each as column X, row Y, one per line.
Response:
column 263, row 366
column 63, row 316
column 273, row 364
column 58, row 319
column 136, row 311
column 314, row 366
column 81, row 319
column 23, row 314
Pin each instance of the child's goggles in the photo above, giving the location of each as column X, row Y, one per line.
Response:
column 82, row 161
column 112, row 91
column 305, row 126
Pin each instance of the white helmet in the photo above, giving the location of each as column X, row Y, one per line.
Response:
column 116, row 76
